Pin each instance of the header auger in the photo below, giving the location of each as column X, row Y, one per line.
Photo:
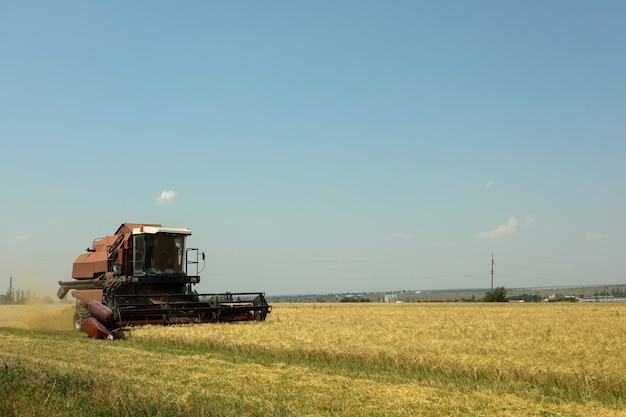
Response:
column 141, row 275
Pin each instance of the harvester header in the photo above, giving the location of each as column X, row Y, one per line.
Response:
column 145, row 274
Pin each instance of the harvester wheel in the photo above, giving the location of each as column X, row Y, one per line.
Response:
column 79, row 317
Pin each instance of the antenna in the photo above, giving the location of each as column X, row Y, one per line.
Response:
column 492, row 273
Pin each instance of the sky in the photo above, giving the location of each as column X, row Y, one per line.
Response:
column 319, row 147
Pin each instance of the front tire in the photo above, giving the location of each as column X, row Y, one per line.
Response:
column 79, row 317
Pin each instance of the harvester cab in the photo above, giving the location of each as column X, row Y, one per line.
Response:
column 144, row 274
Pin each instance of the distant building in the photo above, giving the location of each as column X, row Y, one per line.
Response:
column 390, row 298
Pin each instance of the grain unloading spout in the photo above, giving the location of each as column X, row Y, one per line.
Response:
column 91, row 284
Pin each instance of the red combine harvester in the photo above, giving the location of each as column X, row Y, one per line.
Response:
column 140, row 275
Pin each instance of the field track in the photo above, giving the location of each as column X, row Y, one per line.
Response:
column 329, row 359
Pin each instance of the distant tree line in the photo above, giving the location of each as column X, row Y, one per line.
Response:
column 355, row 300
column 527, row 298
column 614, row 292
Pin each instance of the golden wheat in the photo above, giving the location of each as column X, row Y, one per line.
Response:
column 575, row 345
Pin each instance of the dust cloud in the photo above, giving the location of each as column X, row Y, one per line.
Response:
column 37, row 316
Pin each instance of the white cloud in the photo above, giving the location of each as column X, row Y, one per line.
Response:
column 489, row 184
column 506, row 229
column 165, row 197
column 595, row 236
column 398, row 236
column 21, row 238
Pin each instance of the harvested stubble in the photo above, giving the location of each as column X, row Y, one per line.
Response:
column 139, row 379
column 574, row 346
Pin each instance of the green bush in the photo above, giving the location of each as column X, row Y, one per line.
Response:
column 497, row 295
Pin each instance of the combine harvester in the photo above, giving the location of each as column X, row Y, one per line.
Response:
column 140, row 275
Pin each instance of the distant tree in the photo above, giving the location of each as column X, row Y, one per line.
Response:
column 528, row 298
column 355, row 300
column 497, row 295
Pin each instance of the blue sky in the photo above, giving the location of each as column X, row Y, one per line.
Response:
column 317, row 147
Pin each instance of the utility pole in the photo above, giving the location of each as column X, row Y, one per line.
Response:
column 492, row 273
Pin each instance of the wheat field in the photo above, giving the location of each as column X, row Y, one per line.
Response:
column 575, row 345
column 368, row 359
